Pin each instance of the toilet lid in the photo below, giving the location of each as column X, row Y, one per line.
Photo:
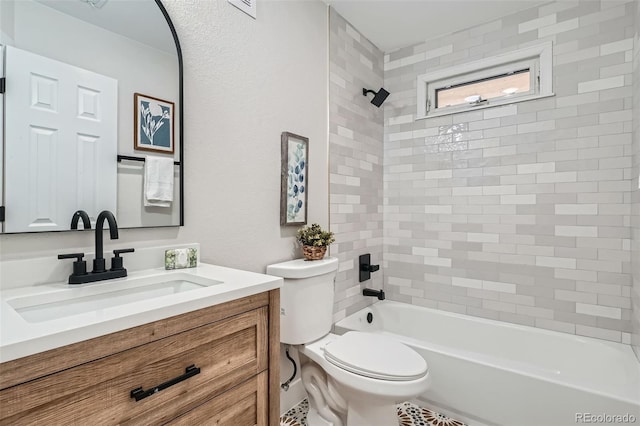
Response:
column 376, row 356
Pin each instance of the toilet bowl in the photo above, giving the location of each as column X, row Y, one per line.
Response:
column 371, row 372
column 355, row 379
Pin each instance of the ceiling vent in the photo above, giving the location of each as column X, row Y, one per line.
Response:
column 247, row 6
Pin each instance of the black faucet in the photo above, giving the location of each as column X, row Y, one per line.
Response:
column 98, row 262
column 80, row 214
column 375, row 293
column 99, row 273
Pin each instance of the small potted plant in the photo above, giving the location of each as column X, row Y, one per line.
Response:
column 314, row 241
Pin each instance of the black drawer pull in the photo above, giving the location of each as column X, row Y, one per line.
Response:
column 139, row 393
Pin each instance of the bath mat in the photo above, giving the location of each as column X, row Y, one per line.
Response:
column 297, row 416
column 412, row 415
column 408, row 415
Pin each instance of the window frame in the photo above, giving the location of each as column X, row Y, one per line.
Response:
column 538, row 59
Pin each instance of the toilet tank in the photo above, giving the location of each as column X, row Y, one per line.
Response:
column 306, row 298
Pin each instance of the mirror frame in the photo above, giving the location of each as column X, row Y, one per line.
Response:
column 180, row 116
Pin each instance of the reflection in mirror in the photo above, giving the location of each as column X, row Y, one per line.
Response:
column 72, row 68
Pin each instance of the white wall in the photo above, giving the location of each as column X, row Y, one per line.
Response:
column 246, row 81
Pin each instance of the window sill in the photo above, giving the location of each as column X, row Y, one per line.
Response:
column 485, row 106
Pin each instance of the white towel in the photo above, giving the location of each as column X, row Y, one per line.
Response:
column 158, row 181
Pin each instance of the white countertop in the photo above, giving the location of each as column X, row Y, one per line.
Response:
column 20, row 338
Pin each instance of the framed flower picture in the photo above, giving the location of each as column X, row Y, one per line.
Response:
column 153, row 124
column 294, row 179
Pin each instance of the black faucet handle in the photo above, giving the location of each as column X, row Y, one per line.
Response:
column 79, row 266
column 116, row 260
column 77, row 256
column 120, row 251
column 366, row 268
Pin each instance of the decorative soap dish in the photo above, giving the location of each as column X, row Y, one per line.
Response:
column 181, row 258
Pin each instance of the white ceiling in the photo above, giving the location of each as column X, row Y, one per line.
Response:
column 389, row 24
column 392, row 24
column 140, row 20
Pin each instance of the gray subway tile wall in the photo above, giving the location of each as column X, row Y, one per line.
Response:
column 635, row 195
column 355, row 160
column 526, row 213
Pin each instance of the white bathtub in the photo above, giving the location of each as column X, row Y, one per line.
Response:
column 498, row 373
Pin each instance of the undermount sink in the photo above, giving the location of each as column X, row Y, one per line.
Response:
column 95, row 297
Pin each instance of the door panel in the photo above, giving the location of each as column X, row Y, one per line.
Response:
column 43, row 182
column 61, row 133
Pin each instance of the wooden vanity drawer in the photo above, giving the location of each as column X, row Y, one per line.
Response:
column 244, row 405
column 228, row 353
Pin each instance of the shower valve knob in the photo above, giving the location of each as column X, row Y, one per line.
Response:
column 366, row 268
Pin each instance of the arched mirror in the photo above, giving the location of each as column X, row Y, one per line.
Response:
column 92, row 113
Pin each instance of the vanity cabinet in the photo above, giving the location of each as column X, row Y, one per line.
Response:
column 217, row 365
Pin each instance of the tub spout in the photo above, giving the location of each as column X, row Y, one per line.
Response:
column 374, row 293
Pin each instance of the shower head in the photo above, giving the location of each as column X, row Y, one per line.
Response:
column 378, row 97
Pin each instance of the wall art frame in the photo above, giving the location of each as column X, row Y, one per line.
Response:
column 294, row 179
column 153, row 124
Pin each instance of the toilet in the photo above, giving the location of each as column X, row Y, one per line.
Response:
column 355, row 379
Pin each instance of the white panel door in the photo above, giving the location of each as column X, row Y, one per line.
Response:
column 61, row 142
column 1, row 133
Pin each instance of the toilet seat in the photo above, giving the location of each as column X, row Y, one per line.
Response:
column 396, row 390
column 375, row 356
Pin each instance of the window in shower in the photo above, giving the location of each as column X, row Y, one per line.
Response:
column 508, row 84
column 512, row 77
